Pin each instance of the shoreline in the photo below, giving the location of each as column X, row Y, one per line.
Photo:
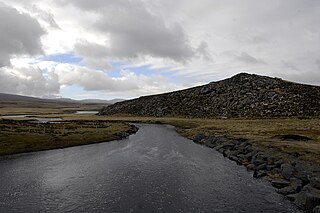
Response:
column 283, row 151
column 19, row 136
column 294, row 179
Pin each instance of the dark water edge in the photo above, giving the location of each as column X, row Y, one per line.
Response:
column 155, row 170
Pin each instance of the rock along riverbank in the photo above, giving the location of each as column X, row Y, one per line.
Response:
column 299, row 182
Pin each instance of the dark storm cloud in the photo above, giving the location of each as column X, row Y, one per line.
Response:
column 133, row 31
column 20, row 34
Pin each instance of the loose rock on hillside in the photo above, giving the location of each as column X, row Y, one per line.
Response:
column 243, row 95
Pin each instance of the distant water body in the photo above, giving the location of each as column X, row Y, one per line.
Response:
column 155, row 170
column 35, row 117
column 86, row 112
column 44, row 119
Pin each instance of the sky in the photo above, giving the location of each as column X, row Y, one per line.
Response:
column 109, row 49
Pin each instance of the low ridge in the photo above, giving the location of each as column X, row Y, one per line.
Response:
column 243, row 95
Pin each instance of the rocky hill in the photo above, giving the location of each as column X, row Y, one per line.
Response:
column 243, row 95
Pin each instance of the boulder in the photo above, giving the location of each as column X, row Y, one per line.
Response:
column 234, row 158
column 249, row 156
column 280, row 183
column 287, row 190
column 199, row 138
column 287, row 170
column 316, row 209
column 308, row 198
column 296, row 184
column 315, row 182
column 300, row 167
column 241, row 156
column 292, row 197
column 259, row 174
column 122, row 135
column 218, row 148
column 271, row 161
column 211, row 141
column 210, row 145
column 262, row 167
column 250, row 167
column 304, row 176
column 278, row 163
column 302, row 172
column 258, row 162
column 221, row 139
column 226, row 152
column 276, row 171
column 228, row 146
column 271, row 167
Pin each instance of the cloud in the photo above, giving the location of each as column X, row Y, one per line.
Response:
column 248, row 59
column 94, row 55
column 28, row 80
column 290, row 65
column 181, row 42
column 204, row 52
column 46, row 16
column 127, row 83
column 318, row 63
column 133, row 31
column 91, row 80
column 20, row 34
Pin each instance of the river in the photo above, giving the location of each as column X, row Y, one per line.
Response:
column 155, row 170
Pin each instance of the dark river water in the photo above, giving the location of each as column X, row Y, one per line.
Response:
column 155, row 170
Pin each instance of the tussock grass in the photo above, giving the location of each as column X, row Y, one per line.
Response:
column 21, row 136
column 24, row 107
column 260, row 132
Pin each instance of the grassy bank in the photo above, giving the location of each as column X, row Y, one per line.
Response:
column 83, row 129
column 263, row 133
column 21, row 136
column 23, row 107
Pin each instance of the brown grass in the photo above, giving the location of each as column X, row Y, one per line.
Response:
column 21, row 136
column 21, row 107
column 261, row 132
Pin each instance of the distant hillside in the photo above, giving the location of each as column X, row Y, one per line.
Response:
column 99, row 101
column 19, row 98
column 10, row 97
column 243, row 95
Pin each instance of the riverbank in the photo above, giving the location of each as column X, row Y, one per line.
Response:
column 18, row 136
column 154, row 170
column 276, row 134
column 295, row 179
column 285, row 151
column 281, row 135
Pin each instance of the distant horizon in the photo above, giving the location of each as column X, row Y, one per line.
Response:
column 119, row 98
column 57, row 98
column 127, row 49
